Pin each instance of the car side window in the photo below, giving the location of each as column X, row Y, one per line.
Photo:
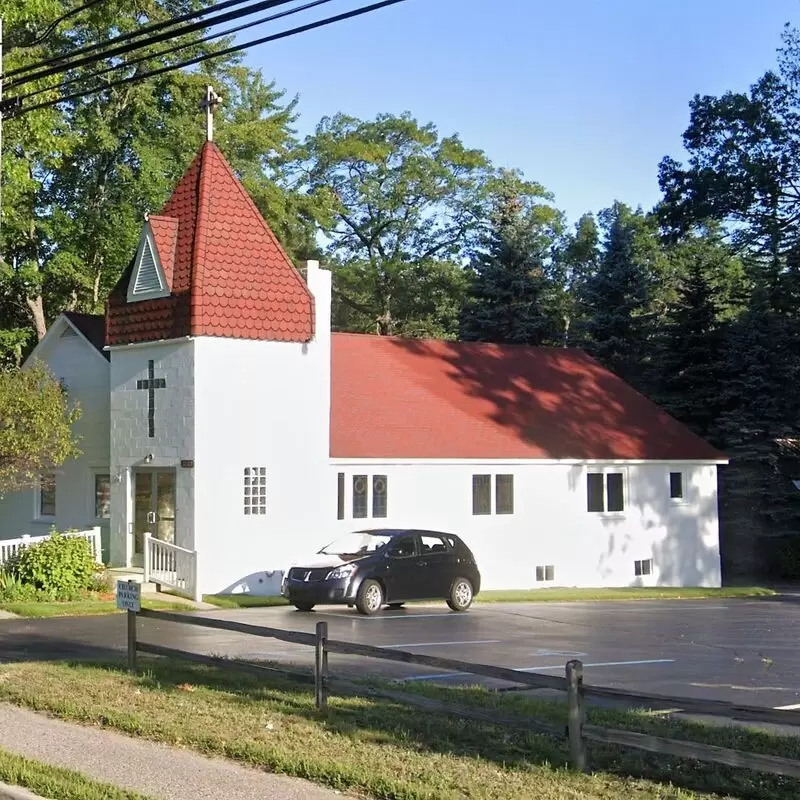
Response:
column 432, row 544
column 402, row 547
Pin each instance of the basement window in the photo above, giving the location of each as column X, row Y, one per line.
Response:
column 545, row 573
column 644, row 567
column 255, row 491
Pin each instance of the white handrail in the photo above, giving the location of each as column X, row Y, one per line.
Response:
column 170, row 565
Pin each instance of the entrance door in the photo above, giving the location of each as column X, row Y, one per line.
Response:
column 153, row 509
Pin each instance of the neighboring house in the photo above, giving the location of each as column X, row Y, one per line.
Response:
column 226, row 419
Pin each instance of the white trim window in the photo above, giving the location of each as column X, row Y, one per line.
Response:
column 46, row 497
column 101, row 494
column 482, row 494
column 677, row 487
column 606, row 491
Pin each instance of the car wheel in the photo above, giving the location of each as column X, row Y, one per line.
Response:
column 395, row 605
column 370, row 597
column 304, row 606
column 461, row 594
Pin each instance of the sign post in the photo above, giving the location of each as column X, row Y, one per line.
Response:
column 129, row 599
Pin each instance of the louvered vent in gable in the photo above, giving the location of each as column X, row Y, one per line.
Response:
column 147, row 277
column 69, row 333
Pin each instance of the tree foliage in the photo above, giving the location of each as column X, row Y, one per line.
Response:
column 36, row 421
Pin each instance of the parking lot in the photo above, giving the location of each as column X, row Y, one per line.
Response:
column 744, row 651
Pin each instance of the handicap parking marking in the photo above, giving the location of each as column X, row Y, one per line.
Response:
column 553, row 653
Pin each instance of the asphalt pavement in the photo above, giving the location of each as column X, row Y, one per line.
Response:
column 743, row 651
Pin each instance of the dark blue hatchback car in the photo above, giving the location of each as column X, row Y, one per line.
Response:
column 372, row 568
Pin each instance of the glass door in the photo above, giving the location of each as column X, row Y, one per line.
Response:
column 153, row 509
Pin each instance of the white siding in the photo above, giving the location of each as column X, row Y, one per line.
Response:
column 86, row 375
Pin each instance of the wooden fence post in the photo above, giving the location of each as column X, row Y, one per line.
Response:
column 576, row 715
column 321, row 667
column 131, row 641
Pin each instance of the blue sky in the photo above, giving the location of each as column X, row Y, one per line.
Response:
column 585, row 97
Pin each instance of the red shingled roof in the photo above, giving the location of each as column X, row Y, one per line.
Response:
column 227, row 272
column 405, row 398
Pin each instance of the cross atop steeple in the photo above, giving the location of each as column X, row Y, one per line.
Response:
column 209, row 105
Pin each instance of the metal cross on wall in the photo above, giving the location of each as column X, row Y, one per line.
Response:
column 151, row 384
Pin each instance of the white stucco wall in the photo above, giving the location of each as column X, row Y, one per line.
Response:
column 131, row 444
column 86, row 374
column 551, row 525
column 262, row 404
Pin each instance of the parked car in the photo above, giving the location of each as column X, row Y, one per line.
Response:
column 372, row 568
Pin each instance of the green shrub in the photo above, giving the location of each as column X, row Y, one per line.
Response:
column 13, row 590
column 59, row 566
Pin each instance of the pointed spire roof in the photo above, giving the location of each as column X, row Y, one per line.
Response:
column 227, row 273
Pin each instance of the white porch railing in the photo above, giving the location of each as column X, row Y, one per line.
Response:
column 10, row 547
column 171, row 566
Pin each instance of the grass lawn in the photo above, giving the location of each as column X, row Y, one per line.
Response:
column 82, row 608
column 382, row 748
column 54, row 782
column 536, row 595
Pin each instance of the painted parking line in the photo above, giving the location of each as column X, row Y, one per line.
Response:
column 362, row 618
column 438, row 644
column 445, row 675
column 791, row 707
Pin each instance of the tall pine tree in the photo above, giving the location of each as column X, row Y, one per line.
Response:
column 512, row 298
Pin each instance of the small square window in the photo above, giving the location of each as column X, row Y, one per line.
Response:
column 504, row 494
column 676, row 485
column 380, row 488
column 545, row 573
column 481, row 494
column 643, row 567
column 255, row 491
column 360, row 493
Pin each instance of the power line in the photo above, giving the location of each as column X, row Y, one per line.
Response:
column 182, row 46
column 48, row 31
column 262, row 5
column 124, row 37
column 15, row 103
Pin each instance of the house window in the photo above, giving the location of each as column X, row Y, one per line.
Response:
column 481, row 494
column 643, row 567
column 46, row 506
column 545, row 573
column 255, row 491
column 379, row 495
column 605, row 491
column 359, row 496
column 102, row 496
column 340, row 496
column 676, row 485
column 504, row 494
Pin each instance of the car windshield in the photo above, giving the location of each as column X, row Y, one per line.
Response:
column 356, row 544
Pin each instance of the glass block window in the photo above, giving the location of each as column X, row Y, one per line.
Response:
column 380, row 485
column 676, row 485
column 47, row 495
column 360, row 490
column 255, row 491
column 102, row 496
column 504, row 494
column 481, row 494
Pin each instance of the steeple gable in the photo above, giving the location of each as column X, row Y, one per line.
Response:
column 209, row 265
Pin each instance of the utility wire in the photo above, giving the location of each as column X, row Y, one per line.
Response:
column 124, row 37
column 48, row 31
column 262, row 5
column 15, row 103
column 184, row 45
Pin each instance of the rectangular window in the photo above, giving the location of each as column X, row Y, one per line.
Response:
column 380, row 486
column 545, row 573
column 644, row 567
column 102, row 496
column 614, row 491
column 605, row 492
column 255, row 491
column 359, row 496
column 340, row 496
column 47, row 495
column 594, row 490
column 504, row 494
column 676, row 485
column 481, row 494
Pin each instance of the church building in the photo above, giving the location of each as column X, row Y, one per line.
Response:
column 226, row 432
